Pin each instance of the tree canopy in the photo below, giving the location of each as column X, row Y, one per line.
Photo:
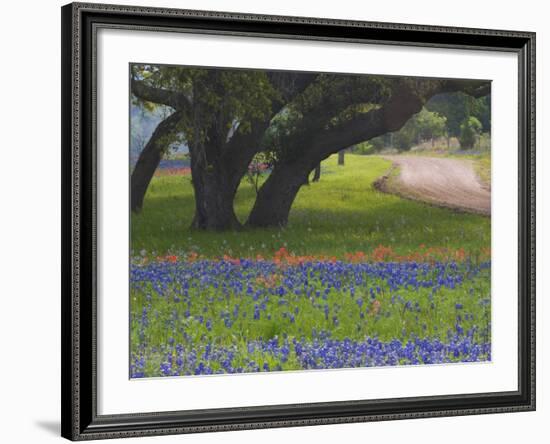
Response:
column 228, row 116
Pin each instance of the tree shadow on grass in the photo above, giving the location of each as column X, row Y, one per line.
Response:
column 314, row 227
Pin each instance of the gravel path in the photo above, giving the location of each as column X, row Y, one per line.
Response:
column 450, row 183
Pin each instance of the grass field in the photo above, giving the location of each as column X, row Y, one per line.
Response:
column 357, row 278
column 482, row 165
column 340, row 214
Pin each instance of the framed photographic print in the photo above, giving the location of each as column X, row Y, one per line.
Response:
column 282, row 221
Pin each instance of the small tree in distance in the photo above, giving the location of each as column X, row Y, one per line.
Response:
column 430, row 125
column 425, row 125
column 470, row 129
column 260, row 164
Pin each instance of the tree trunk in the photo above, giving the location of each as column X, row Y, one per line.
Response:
column 215, row 185
column 341, row 154
column 277, row 194
column 317, row 173
column 149, row 160
column 214, row 194
column 215, row 181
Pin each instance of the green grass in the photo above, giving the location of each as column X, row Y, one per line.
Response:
column 482, row 165
column 340, row 214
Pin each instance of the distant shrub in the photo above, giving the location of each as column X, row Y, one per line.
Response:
column 404, row 139
column 424, row 125
column 378, row 143
column 363, row 148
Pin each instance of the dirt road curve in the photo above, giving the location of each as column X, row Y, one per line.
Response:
column 450, row 183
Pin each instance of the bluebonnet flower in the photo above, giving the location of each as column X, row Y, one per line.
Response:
column 234, row 294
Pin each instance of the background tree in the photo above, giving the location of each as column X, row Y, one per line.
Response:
column 164, row 135
column 429, row 125
column 259, row 166
column 341, row 157
column 404, row 139
column 470, row 130
column 457, row 107
column 364, row 148
column 317, row 173
column 149, row 93
column 425, row 125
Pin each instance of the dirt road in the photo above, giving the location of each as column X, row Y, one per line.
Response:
column 450, row 183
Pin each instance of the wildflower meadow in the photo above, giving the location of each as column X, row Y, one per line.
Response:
column 325, row 292
column 277, row 222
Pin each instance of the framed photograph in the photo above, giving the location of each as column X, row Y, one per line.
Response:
column 282, row 221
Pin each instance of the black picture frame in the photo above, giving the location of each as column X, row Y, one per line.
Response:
column 80, row 420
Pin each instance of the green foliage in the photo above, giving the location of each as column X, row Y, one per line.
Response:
column 363, row 148
column 470, row 129
column 258, row 167
column 457, row 107
column 340, row 214
column 482, row 165
column 482, row 111
column 424, row 125
column 429, row 125
column 283, row 126
column 404, row 139
column 380, row 142
column 219, row 100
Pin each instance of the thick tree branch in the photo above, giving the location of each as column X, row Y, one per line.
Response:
column 150, row 157
column 403, row 104
column 289, row 84
column 240, row 149
column 174, row 99
column 476, row 89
